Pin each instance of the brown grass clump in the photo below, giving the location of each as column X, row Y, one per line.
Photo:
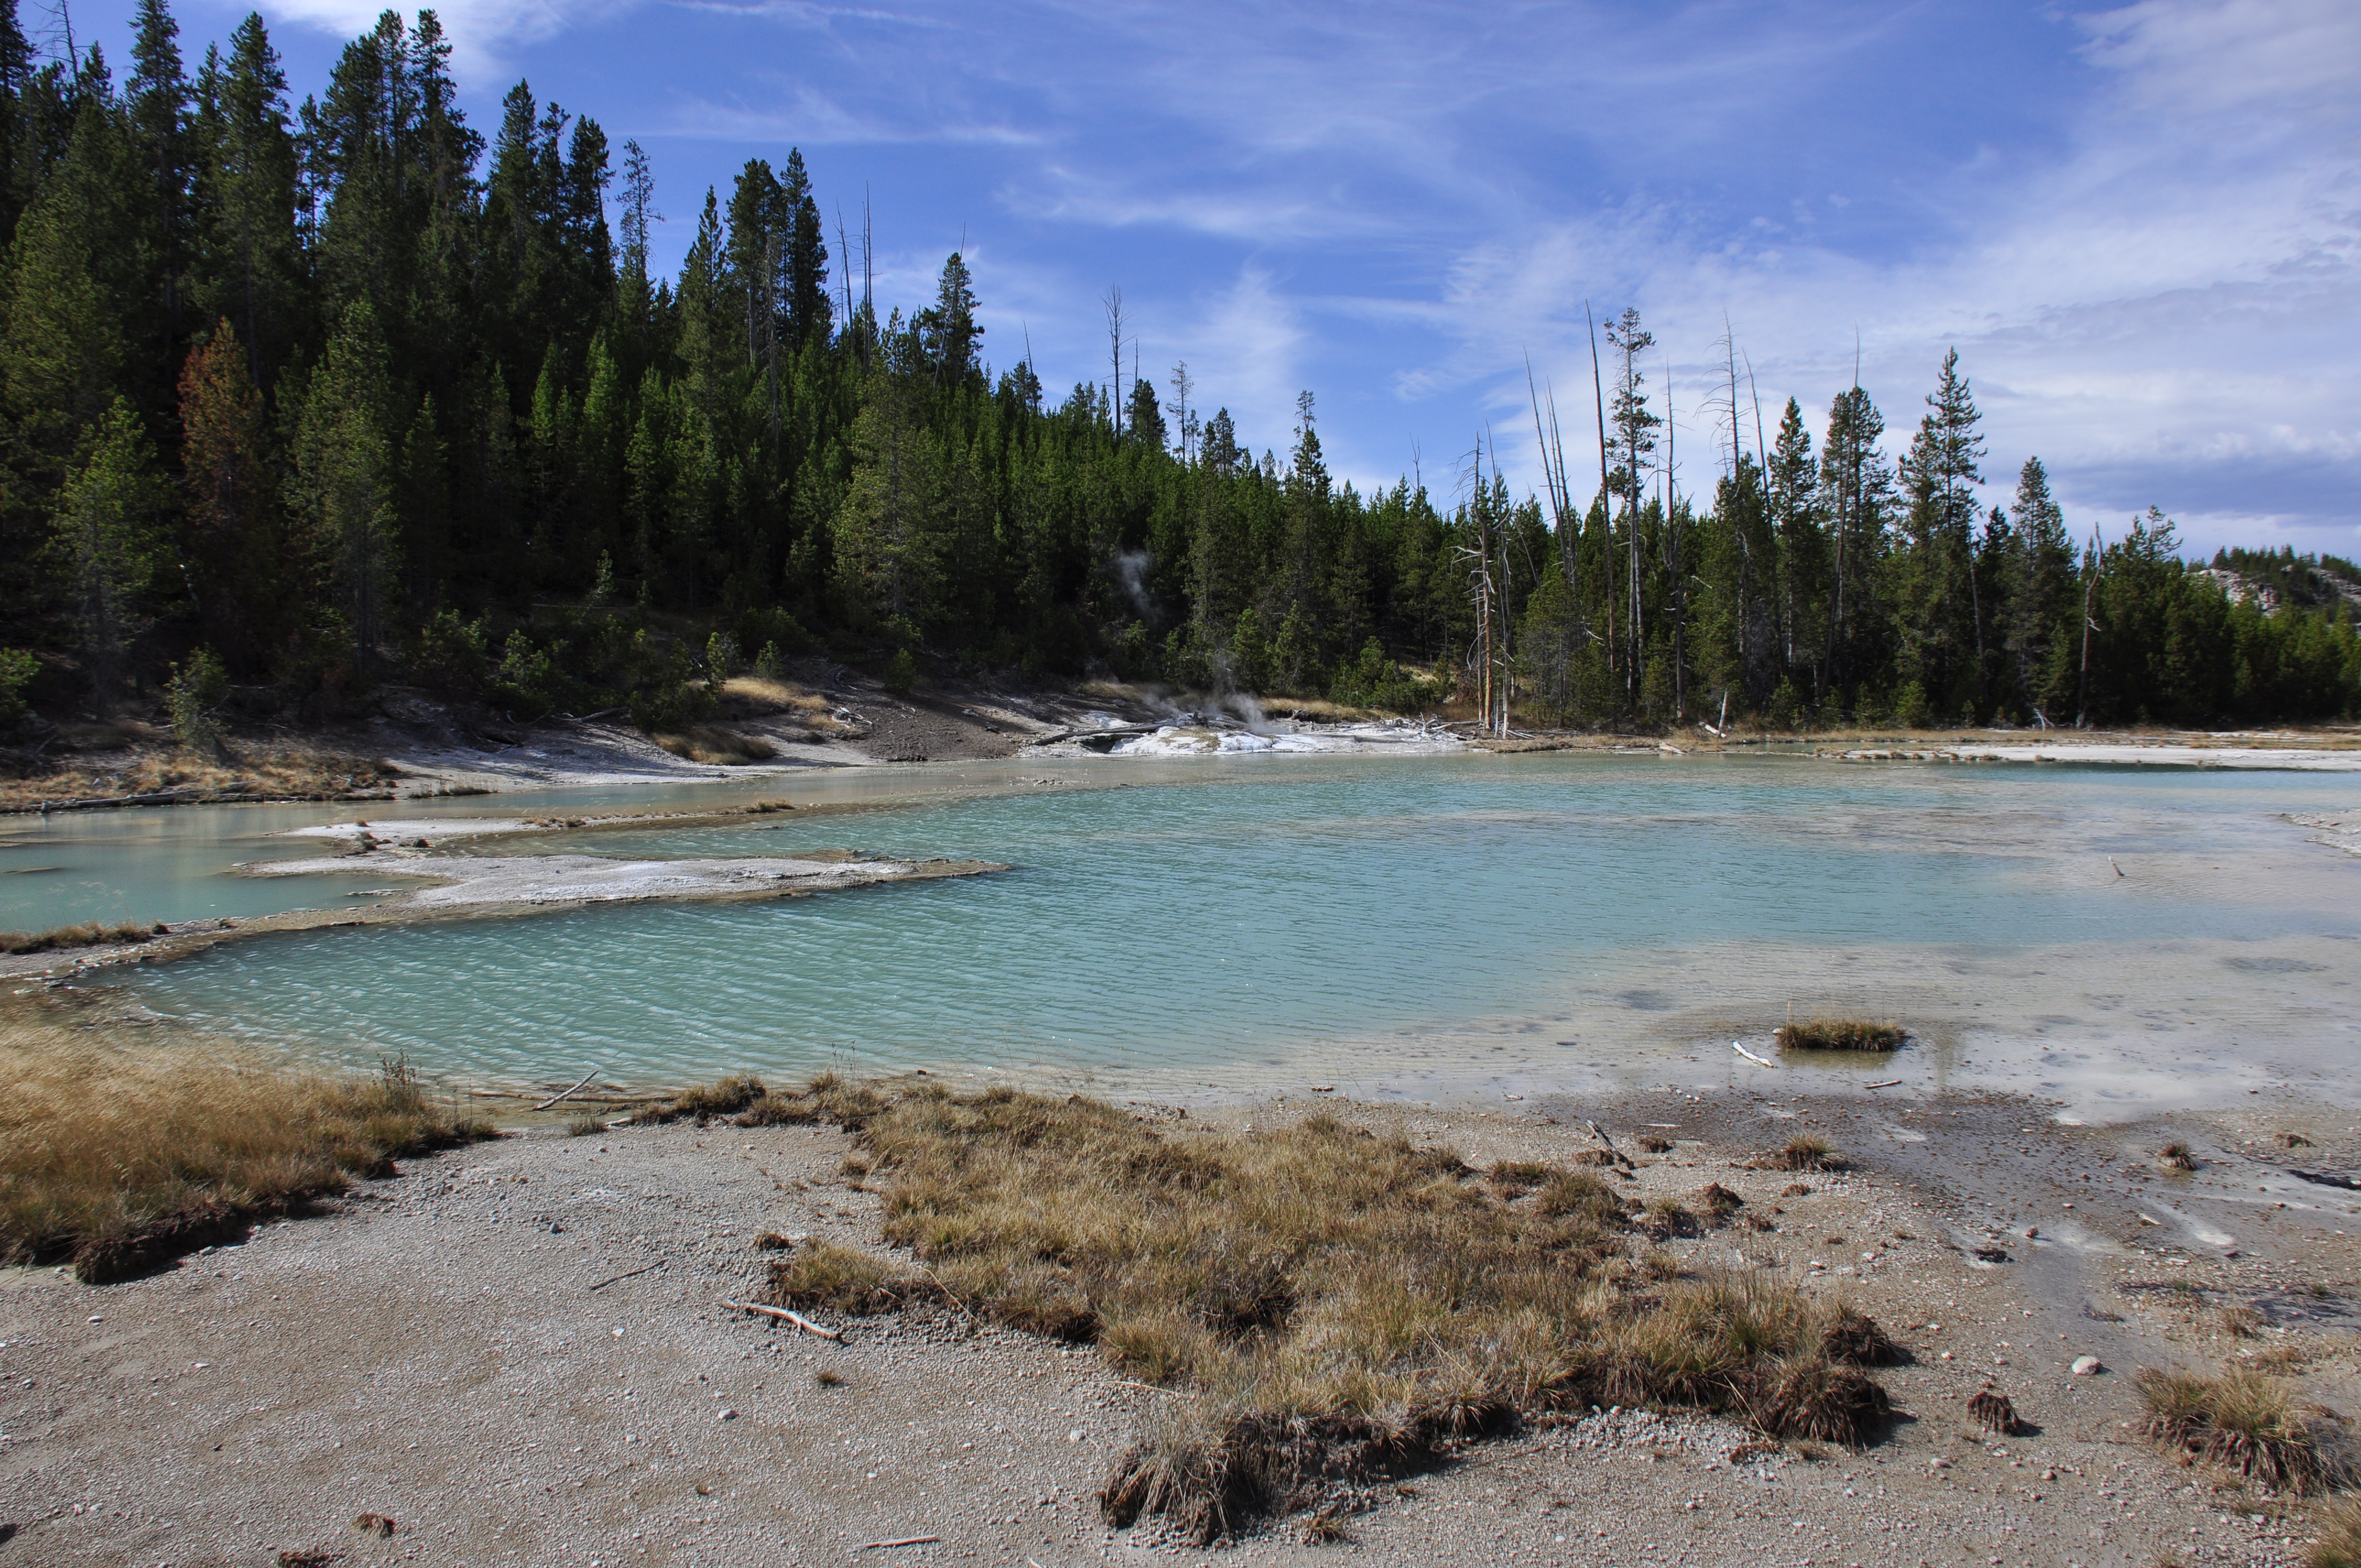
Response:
column 1652, row 1144
column 2176, row 1156
column 716, row 747
column 91, row 934
column 2243, row 1419
column 122, row 1162
column 1841, row 1035
column 1719, row 1202
column 1992, row 1413
column 1339, row 1304
column 824, row 1275
column 2337, row 1543
column 1803, row 1152
column 1851, row 1338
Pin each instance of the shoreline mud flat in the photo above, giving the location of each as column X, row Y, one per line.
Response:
column 518, row 1353
column 449, row 886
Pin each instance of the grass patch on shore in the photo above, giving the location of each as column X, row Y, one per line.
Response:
column 89, row 934
column 1338, row 1307
column 120, row 1162
column 716, row 746
column 2246, row 1420
column 1841, row 1035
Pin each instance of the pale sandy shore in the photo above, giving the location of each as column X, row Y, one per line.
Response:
column 518, row 1354
column 497, row 881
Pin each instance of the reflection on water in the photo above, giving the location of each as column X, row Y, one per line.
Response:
column 1219, row 921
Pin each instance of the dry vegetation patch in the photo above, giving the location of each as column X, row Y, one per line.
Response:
column 2337, row 1543
column 121, row 1162
column 716, row 746
column 2246, row 1420
column 1841, row 1035
column 91, row 934
column 1337, row 1306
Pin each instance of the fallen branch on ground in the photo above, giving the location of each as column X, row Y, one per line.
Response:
column 783, row 1315
column 633, row 1275
column 906, row 1540
column 563, row 1094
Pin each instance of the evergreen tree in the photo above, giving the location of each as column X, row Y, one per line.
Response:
column 159, row 102
column 231, row 496
column 947, row 329
column 1803, row 557
column 806, row 281
column 2041, row 593
column 344, row 484
column 106, row 536
column 1857, row 499
column 1939, row 599
column 247, row 267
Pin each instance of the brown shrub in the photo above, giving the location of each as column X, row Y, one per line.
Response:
column 1841, row 1035
column 2240, row 1418
column 1338, row 1304
column 1803, row 1152
column 1992, row 1411
column 824, row 1275
column 1851, row 1338
column 2337, row 1540
column 123, row 1162
column 716, row 746
column 91, row 934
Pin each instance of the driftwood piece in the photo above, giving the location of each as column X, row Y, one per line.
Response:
column 1884, row 1083
column 564, row 1094
column 785, row 1316
column 1750, row 1056
column 904, row 1540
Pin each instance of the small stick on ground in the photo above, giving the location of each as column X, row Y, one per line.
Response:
column 634, row 1273
column 1886, row 1083
column 563, row 1094
column 904, row 1540
column 785, row 1316
column 1155, row 1388
column 1750, row 1056
column 1603, row 1138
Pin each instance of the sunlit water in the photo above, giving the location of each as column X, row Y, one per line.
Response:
column 1411, row 926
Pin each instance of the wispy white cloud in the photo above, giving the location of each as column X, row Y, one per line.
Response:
column 485, row 34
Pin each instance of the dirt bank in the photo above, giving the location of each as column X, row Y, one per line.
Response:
column 517, row 1354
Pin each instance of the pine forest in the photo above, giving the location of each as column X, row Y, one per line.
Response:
column 306, row 398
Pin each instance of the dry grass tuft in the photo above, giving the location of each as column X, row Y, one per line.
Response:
column 1851, row 1338
column 2176, row 1156
column 90, row 934
column 716, row 746
column 585, row 1126
column 1803, row 1152
column 1339, row 1304
column 1652, row 1144
column 2337, row 1543
column 1841, row 1035
column 1719, row 1202
column 824, row 1275
column 2243, row 1419
column 122, row 1162
column 723, row 1097
column 1991, row 1412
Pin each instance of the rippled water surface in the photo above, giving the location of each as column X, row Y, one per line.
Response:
column 1222, row 921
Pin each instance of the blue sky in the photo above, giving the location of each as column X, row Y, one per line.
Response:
column 2140, row 224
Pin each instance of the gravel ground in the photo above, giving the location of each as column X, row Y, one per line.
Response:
column 517, row 1354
